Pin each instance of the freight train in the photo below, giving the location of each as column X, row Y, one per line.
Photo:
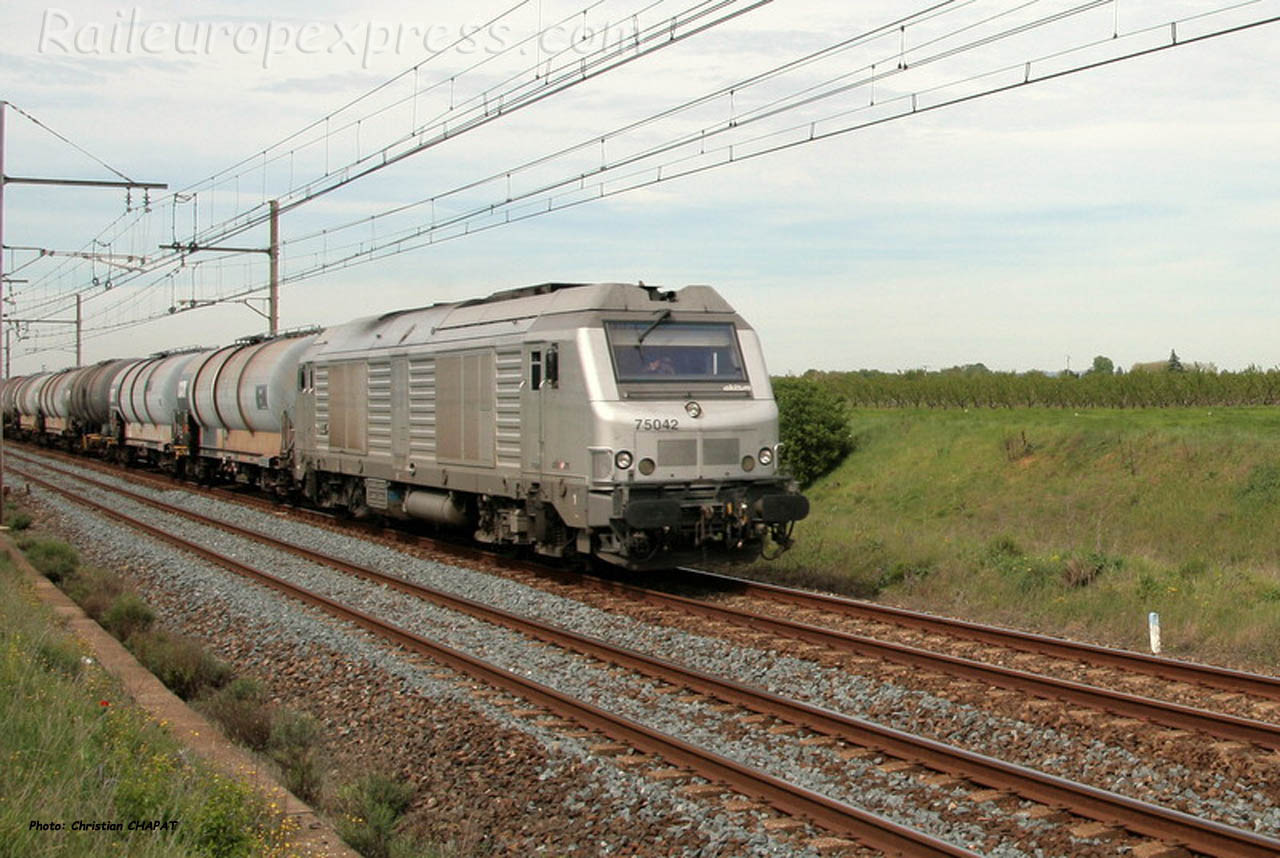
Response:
column 624, row 422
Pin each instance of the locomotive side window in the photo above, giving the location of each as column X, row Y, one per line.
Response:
column 674, row 351
column 535, row 370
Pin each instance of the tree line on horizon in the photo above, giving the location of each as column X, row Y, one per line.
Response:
column 1146, row 385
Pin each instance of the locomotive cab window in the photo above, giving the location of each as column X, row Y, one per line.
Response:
column 674, row 351
column 544, row 368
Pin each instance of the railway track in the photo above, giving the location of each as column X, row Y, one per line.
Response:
column 1220, row 725
column 1143, row 818
column 1224, row 726
column 1064, row 659
column 1132, row 662
column 1168, row 669
column 1177, row 716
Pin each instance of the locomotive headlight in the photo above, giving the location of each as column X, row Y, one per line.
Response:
column 693, row 409
column 623, row 460
column 647, row 466
column 766, row 456
column 748, row 463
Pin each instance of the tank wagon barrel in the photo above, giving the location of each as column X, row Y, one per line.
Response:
column 9, row 398
column 143, row 402
column 27, row 399
column 90, row 402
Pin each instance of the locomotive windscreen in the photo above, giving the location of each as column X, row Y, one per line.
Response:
column 674, row 351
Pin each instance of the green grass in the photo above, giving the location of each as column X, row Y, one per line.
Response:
column 1071, row 522
column 74, row 748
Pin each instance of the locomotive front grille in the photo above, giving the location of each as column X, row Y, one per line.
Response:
column 678, row 453
column 720, row 451
column 683, row 452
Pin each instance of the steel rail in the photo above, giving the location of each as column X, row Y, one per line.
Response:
column 1133, row 662
column 1140, row 817
column 827, row 813
column 1130, row 705
column 1174, row 715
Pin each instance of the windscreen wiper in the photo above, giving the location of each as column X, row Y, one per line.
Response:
column 662, row 317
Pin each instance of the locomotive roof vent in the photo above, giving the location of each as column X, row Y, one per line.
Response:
column 658, row 294
column 525, row 292
column 254, row 339
column 181, row 350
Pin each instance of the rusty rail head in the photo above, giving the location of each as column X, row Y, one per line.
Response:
column 1135, row 662
column 1169, row 714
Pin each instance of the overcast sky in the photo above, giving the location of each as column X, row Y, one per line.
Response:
column 1124, row 211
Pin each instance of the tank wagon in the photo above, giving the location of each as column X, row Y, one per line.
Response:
column 143, row 416
column 626, row 422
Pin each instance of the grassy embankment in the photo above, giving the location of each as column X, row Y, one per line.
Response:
column 74, row 748
column 1075, row 523
column 368, row 809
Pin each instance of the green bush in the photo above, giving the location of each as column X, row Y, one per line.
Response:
column 224, row 825
column 903, row 572
column 94, row 589
column 127, row 616
column 813, row 427
column 75, row 748
column 60, row 655
column 55, row 560
column 241, row 709
column 1027, row 573
column 294, row 746
column 1262, row 487
column 371, row 807
column 16, row 518
column 179, row 662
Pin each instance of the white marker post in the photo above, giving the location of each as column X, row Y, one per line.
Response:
column 1153, row 626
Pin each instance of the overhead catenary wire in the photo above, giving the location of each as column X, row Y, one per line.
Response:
column 69, row 142
column 233, row 172
column 732, row 122
column 539, row 200
column 610, row 179
column 691, row 20
column 519, row 91
column 496, row 215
